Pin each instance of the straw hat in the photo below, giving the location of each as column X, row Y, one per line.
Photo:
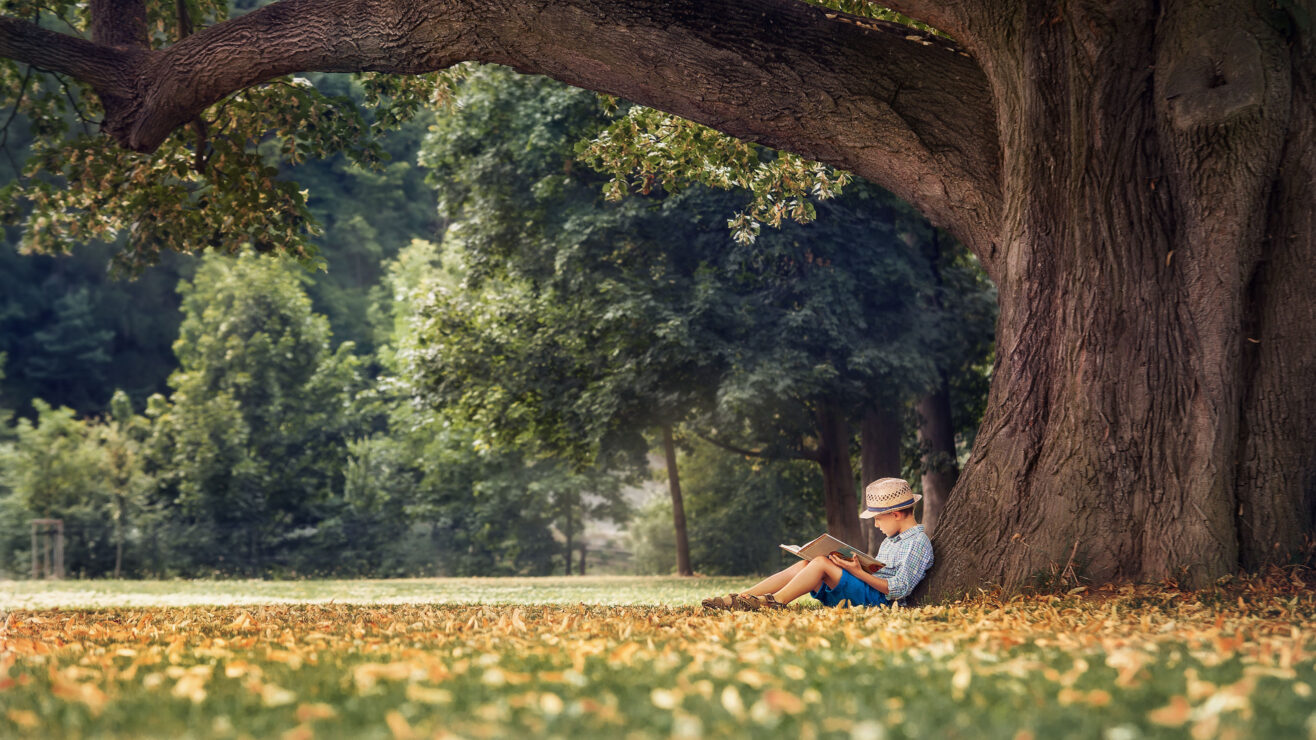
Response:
column 888, row 494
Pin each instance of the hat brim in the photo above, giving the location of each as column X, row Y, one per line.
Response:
column 873, row 511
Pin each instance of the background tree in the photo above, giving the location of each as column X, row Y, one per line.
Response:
column 489, row 502
column 55, row 469
column 589, row 313
column 122, row 436
column 253, row 438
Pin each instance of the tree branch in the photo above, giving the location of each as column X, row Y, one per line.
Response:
column 105, row 68
column 797, row 454
column 909, row 111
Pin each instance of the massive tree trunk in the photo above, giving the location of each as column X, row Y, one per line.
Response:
column 936, row 438
column 1146, row 337
column 1137, row 178
column 879, row 457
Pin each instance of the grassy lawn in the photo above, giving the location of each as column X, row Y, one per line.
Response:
column 629, row 658
column 610, row 590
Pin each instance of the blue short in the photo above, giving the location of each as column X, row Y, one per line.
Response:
column 852, row 590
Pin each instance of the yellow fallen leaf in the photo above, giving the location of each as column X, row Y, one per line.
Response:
column 272, row 695
column 23, row 717
column 398, row 725
column 366, row 675
column 732, row 702
column 428, row 694
column 783, row 701
column 1174, row 714
column 312, row 712
column 191, row 686
column 664, row 698
column 84, row 693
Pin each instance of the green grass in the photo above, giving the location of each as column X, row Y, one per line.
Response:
column 612, row 590
column 560, row 658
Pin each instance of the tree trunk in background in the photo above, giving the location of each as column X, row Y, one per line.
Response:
column 838, row 475
column 1152, row 398
column 570, row 530
column 879, row 457
column 118, row 536
column 583, row 549
column 678, row 507
column 936, row 438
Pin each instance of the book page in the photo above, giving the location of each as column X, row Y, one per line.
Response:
column 826, row 544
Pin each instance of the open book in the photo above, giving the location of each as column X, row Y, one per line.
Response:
column 826, row 544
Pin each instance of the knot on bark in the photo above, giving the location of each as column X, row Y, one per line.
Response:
column 1218, row 78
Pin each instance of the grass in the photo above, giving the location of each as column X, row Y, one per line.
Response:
column 628, row 658
column 611, row 590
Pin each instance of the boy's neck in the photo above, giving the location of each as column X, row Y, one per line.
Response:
column 906, row 525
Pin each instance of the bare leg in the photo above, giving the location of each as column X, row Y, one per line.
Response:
column 775, row 581
column 818, row 571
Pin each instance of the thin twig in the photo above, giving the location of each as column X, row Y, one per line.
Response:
column 4, row 132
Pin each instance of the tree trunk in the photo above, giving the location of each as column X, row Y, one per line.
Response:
column 678, row 507
column 569, row 532
column 1149, row 403
column 879, row 457
column 838, row 476
column 936, row 438
column 583, row 548
column 118, row 536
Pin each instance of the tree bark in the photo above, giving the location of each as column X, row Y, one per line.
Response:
column 879, row 457
column 839, row 499
column 936, row 438
column 1146, row 331
column 678, row 506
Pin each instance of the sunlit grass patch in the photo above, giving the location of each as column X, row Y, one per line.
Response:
column 612, row 590
column 1129, row 664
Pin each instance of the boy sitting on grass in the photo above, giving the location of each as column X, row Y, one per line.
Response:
column 906, row 554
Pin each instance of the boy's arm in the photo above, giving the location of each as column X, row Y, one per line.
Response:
column 881, row 584
column 911, row 571
column 907, row 574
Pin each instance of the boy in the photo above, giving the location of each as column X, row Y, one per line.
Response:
column 906, row 554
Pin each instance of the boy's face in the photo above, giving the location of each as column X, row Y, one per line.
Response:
column 889, row 522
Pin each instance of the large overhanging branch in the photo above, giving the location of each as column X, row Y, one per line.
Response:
column 908, row 111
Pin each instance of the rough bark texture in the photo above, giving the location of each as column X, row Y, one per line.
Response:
column 879, row 457
column 936, row 437
column 1137, row 178
column 839, row 499
column 1140, row 154
column 678, row 505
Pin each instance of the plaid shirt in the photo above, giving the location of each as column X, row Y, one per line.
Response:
column 906, row 557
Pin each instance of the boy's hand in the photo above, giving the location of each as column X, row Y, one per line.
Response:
column 850, row 564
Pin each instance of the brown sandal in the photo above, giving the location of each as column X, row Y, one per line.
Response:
column 752, row 603
column 720, row 603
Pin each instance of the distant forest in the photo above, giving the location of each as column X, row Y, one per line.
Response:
column 484, row 355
